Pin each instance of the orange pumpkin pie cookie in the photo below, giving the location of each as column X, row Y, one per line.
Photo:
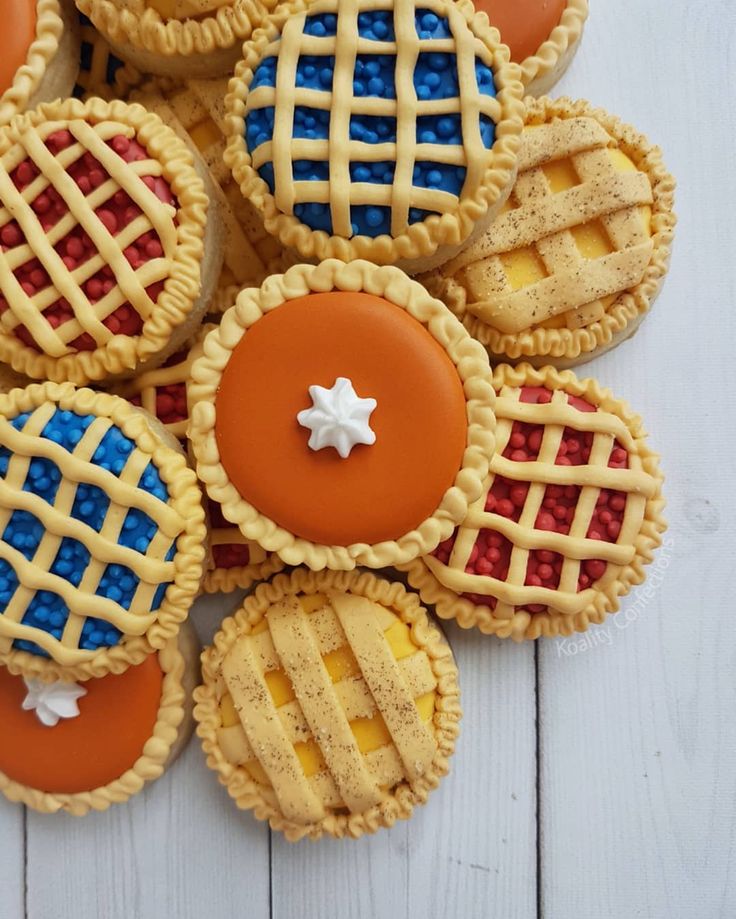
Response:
column 330, row 704
column 105, row 266
column 580, row 251
column 39, row 54
column 569, row 515
column 386, row 134
column 235, row 562
column 342, row 416
column 543, row 36
column 177, row 38
column 75, row 748
column 102, row 536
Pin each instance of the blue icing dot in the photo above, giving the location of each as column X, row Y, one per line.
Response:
column 311, row 123
column 487, row 131
column 435, row 76
column 266, row 173
column 43, row 478
column 373, row 129
column 307, row 171
column 430, row 25
column 314, row 72
column 151, row 481
column 90, row 505
column 439, row 129
column 96, row 633
column 440, row 176
column 376, row 25
column 8, row 583
column 23, row 532
column 374, row 75
column 113, row 451
column 118, row 583
column 484, row 78
column 72, row 558
column 66, row 428
column 370, row 220
column 265, row 73
column 317, row 216
column 381, row 173
column 259, row 127
column 321, row 25
column 138, row 531
column 48, row 612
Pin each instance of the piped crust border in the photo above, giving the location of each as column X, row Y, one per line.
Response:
column 49, row 29
column 181, row 289
column 149, row 765
column 581, row 344
column 184, row 495
column 552, row 623
column 421, row 240
column 561, row 41
column 467, row 355
column 248, row 794
column 143, row 27
column 240, row 577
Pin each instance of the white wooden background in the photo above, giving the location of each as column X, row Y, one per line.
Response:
column 591, row 782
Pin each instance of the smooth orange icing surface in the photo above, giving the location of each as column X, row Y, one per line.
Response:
column 379, row 492
column 524, row 24
column 16, row 35
column 116, row 718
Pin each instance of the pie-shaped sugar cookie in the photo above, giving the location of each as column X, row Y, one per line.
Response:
column 79, row 747
column 330, row 704
column 387, row 134
column 570, row 513
column 542, row 35
column 196, row 112
column 177, row 38
column 341, row 416
column 101, row 533
column 235, row 562
column 39, row 50
column 579, row 253
column 105, row 265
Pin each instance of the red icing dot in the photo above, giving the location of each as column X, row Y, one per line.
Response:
column 229, row 555
column 491, row 554
column 76, row 247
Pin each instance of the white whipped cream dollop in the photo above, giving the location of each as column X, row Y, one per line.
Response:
column 338, row 418
column 52, row 701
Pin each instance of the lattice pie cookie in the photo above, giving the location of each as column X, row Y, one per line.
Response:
column 330, row 704
column 543, row 36
column 39, row 51
column 101, row 533
column 342, row 416
column 579, row 253
column 570, row 513
column 102, row 73
column 104, row 266
column 387, row 132
column 235, row 562
column 75, row 748
column 177, row 38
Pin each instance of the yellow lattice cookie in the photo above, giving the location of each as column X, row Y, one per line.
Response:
column 329, row 705
column 570, row 513
column 102, row 221
column 101, row 533
column 581, row 248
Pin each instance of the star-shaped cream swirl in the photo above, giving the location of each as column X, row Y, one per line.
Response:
column 52, row 701
column 338, row 418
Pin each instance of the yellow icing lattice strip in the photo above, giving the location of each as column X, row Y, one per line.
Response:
column 574, row 547
column 338, row 149
column 130, row 283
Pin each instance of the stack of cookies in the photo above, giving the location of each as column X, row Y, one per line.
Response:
column 289, row 298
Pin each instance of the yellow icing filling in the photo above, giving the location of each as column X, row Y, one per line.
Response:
column 524, row 267
column 370, row 733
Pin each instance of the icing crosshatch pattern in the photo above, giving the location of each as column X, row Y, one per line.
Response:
column 369, row 120
column 101, row 218
column 87, row 533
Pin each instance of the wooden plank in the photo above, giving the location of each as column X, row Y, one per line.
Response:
column 12, row 860
column 180, row 848
column 638, row 739
column 471, row 850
